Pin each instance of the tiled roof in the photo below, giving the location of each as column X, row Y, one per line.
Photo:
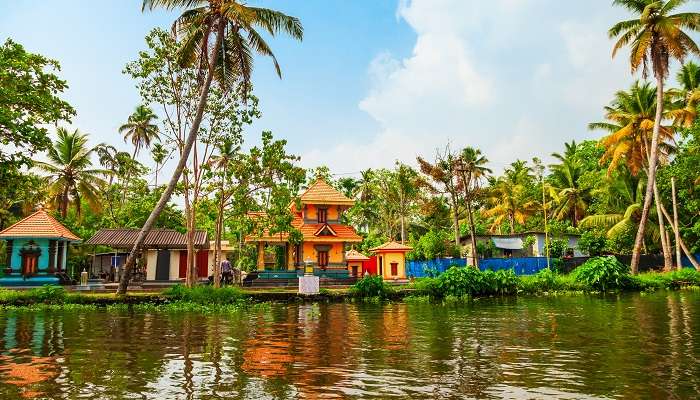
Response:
column 39, row 224
column 343, row 233
column 391, row 246
column 354, row 255
column 322, row 193
column 156, row 238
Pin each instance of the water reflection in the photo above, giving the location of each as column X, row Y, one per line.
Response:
column 637, row 346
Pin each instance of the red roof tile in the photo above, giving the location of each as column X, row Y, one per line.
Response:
column 391, row 246
column 322, row 193
column 343, row 233
column 39, row 224
column 354, row 255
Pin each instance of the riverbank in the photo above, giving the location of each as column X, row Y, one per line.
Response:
column 457, row 284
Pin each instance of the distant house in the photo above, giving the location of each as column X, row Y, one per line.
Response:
column 514, row 245
column 165, row 255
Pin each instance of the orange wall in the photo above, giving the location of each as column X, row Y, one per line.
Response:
column 335, row 255
column 311, row 212
column 388, row 258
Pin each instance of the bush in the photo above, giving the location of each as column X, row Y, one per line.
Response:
column 592, row 243
column 49, row 294
column 667, row 280
column 602, row 273
column 557, row 247
column 204, row 294
column 371, row 286
column 501, row 282
column 460, row 281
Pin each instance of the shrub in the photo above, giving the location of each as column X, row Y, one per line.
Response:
column 204, row 294
column 592, row 243
column 502, row 282
column 460, row 281
column 602, row 273
column 557, row 247
column 667, row 280
column 371, row 286
column 50, row 294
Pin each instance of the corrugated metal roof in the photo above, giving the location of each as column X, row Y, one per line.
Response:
column 156, row 238
column 39, row 224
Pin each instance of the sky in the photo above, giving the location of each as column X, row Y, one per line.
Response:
column 374, row 81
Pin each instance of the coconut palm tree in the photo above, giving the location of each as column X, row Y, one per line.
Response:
column 508, row 199
column 221, row 162
column 159, row 153
column 631, row 127
column 571, row 198
column 686, row 99
column 219, row 38
column 655, row 36
column 472, row 169
column 71, row 176
column 140, row 128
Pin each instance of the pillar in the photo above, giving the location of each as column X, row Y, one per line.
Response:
column 261, row 256
column 290, row 257
column 65, row 256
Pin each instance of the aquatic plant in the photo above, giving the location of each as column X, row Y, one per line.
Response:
column 602, row 273
column 371, row 286
column 204, row 294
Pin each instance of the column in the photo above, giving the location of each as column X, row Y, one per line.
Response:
column 261, row 256
column 65, row 256
column 290, row 257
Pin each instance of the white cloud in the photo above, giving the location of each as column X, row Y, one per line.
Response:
column 515, row 78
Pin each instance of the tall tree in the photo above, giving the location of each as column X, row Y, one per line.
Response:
column 508, row 198
column 655, row 36
column 406, row 191
column 141, row 129
column 160, row 154
column 570, row 196
column 686, row 99
column 71, row 176
column 472, row 169
column 233, row 28
column 443, row 179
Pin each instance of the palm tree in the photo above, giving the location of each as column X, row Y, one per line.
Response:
column 508, row 198
column 472, row 170
column 221, row 162
column 572, row 199
column 655, row 36
column 686, row 99
column 140, row 128
column 444, row 180
column 228, row 58
column 406, row 190
column 631, row 127
column 159, row 153
column 71, row 176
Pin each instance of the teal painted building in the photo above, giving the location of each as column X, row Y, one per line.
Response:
column 36, row 251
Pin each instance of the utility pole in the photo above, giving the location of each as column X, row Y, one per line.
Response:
column 675, row 223
column 540, row 172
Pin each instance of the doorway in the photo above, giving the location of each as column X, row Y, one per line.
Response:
column 30, row 263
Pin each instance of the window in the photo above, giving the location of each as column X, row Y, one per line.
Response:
column 322, row 215
column 394, row 269
column 323, row 259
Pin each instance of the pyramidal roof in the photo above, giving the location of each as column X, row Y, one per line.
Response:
column 39, row 224
column 391, row 246
column 354, row 255
column 323, row 193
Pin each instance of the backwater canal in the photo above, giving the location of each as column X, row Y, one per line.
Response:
column 569, row 347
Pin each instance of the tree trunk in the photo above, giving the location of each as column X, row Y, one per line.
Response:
column 217, row 239
column 472, row 234
column 651, row 176
column 165, row 197
column 128, row 177
column 674, row 224
column 665, row 244
column 403, row 230
column 455, row 220
column 680, row 241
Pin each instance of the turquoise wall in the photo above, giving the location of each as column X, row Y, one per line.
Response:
column 18, row 244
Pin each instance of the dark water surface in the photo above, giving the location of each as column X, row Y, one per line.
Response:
column 630, row 346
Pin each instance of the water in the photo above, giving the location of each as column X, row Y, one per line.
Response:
column 631, row 346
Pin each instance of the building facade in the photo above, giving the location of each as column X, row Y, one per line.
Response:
column 324, row 236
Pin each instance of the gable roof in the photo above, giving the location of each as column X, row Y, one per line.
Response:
column 156, row 239
column 321, row 192
column 39, row 225
column 391, row 246
column 327, row 228
column 354, row 255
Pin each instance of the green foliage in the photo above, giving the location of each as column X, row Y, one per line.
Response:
column 557, row 247
column 204, row 294
column 592, row 243
column 29, row 103
column 468, row 281
column 432, row 245
column 501, row 282
column 371, row 286
column 48, row 294
column 670, row 280
column 602, row 273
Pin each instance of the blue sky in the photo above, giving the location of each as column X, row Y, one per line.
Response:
column 374, row 80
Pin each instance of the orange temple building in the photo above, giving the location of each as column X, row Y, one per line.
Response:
column 324, row 237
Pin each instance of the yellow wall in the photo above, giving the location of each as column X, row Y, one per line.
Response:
column 358, row 264
column 388, row 258
column 335, row 255
column 311, row 212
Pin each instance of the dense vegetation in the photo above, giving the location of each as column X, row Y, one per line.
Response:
column 649, row 145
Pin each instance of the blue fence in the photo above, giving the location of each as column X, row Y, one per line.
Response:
column 521, row 265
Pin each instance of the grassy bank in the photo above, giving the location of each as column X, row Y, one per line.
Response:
column 598, row 275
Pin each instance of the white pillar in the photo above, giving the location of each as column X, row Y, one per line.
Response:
column 55, row 256
column 65, row 255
